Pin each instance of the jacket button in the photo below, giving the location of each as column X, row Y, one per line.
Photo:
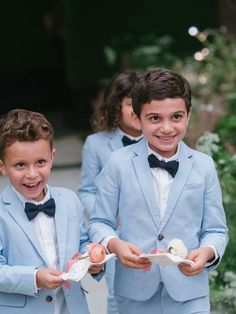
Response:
column 49, row 298
column 160, row 237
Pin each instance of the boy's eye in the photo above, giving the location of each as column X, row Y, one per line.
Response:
column 41, row 162
column 155, row 118
column 20, row 165
column 177, row 117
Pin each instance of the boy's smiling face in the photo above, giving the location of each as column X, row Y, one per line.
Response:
column 164, row 124
column 28, row 166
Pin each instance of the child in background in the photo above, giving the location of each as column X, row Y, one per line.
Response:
column 41, row 227
column 116, row 126
column 159, row 189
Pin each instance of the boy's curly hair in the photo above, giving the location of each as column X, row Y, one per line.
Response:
column 24, row 126
column 107, row 113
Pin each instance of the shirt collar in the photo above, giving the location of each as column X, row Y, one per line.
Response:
column 129, row 136
column 174, row 157
column 24, row 199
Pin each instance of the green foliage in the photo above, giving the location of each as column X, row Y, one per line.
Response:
column 223, row 295
column 212, row 76
column 226, row 127
column 211, row 144
column 140, row 54
column 223, row 281
column 153, row 52
column 211, row 71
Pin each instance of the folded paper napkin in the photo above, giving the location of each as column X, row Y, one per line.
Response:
column 166, row 259
column 175, row 254
column 79, row 268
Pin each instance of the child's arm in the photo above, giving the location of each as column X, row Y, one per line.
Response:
column 127, row 253
column 89, row 170
column 200, row 257
column 214, row 233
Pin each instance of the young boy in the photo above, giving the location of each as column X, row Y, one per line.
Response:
column 116, row 126
column 36, row 241
column 155, row 206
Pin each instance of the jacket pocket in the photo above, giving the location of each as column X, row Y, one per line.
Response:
column 12, row 300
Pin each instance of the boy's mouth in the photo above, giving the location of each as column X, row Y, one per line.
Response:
column 166, row 138
column 31, row 185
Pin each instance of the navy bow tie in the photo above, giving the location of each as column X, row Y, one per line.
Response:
column 127, row 141
column 32, row 210
column 170, row 166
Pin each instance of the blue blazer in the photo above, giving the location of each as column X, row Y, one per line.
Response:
column 96, row 151
column 21, row 254
column 194, row 214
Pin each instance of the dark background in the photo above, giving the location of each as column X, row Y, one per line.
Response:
column 52, row 51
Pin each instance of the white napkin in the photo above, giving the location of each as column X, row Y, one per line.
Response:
column 80, row 268
column 166, row 259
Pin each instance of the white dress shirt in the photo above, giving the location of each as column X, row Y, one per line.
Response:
column 45, row 230
column 129, row 136
column 162, row 182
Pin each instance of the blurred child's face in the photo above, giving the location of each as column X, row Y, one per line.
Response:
column 164, row 124
column 129, row 122
column 28, row 166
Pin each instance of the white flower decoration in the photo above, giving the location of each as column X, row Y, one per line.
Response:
column 177, row 247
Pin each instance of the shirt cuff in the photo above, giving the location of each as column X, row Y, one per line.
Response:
column 36, row 289
column 106, row 240
column 216, row 256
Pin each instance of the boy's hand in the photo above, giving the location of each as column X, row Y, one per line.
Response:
column 94, row 269
column 200, row 257
column 49, row 278
column 127, row 253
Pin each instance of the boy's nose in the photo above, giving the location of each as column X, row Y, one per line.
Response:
column 32, row 172
column 166, row 127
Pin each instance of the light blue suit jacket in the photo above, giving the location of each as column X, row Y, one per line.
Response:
column 21, row 254
column 194, row 214
column 96, row 151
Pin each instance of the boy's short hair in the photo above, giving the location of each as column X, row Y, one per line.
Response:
column 159, row 84
column 24, row 126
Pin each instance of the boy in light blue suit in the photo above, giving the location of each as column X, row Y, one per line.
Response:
column 41, row 227
column 116, row 126
column 159, row 189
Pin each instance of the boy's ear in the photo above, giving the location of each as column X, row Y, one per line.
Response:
column 189, row 114
column 53, row 153
column 2, row 168
column 137, row 121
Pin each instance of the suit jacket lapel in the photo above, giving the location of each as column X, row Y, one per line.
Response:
column 16, row 211
column 145, row 179
column 185, row 166
column 61, row 223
